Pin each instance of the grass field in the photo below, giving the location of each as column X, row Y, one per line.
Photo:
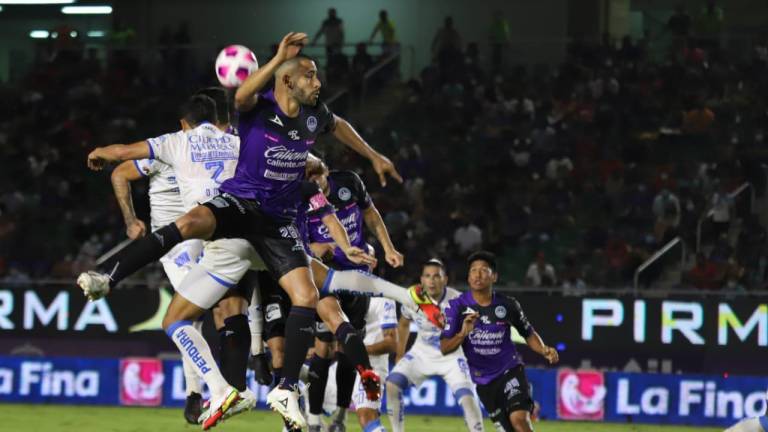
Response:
column 47, row 418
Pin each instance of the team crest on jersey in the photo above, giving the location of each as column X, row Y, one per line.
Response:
column 311, row 123
column 501, row 312
column 345, row 194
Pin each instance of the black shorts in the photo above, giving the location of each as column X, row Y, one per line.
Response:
column 277, row 242
column 354, row 307
column 275, row 303
column 506, row 394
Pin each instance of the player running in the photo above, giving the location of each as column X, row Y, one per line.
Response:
column 424, row 359
column 258, row 204
column 479, row 321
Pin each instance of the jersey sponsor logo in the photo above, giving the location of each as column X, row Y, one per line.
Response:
column 294, row 135
column 282, row 157
column 273, row 175
column 500, row 312
column 317, row 201
column 141, row 382
column 211, row 148
column 277, row 120
column 580, row 394
column 345, row 194
column 311, row 123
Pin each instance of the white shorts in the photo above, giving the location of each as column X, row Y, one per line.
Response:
column 223, row 264
column 177, row 261
column 230, row 259
column 416, row 366
column 380, row 365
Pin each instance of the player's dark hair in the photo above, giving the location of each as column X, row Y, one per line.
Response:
column 486, row 256
column 221, row 99
column 198, row 109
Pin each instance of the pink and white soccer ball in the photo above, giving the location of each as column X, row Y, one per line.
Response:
column 234, row 64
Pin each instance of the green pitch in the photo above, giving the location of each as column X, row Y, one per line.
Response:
column 47, row 418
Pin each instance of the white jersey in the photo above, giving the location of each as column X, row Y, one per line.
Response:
column 428, row 335
column 202, row 159
column 164, row 199
column 381, row 315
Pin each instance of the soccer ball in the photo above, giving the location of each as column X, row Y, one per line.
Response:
column 234, row 64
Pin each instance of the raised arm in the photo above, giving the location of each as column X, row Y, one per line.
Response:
column 452, row 343
column 101, row 156
column 344, row 132
column 375, row 223
column 247, row 94
column 122, row 176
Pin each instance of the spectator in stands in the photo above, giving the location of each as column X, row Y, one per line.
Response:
column 362, row 61
column 666, row 209
column 333, row 30
column 698, row 120
column 722, row 203
column 709, row 25
column 541, row 273
column 499, row 38
column 386, row 27
column 679, row 24
column 468, row 237
column 446, row 49
column 705, row 275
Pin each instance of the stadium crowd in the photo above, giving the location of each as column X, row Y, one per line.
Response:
column 575, row 174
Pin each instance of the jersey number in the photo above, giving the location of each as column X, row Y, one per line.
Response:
column 217, row 167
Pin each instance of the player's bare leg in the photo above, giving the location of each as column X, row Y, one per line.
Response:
column 521, row 421
column 198, row 223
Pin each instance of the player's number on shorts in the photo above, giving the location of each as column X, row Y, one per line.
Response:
column 217, row 167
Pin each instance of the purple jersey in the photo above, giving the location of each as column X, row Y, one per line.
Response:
column 489, row 348
column 348, row 195
column 273, row 153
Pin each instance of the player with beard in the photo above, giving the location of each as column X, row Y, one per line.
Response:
column 259, row 205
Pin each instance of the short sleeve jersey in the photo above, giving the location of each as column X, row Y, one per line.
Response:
column 165, row 204
column 273, row 154
column 202, row 159
column 347, row 193
column 489, row 348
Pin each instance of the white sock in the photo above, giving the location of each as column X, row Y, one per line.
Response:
column 368, row 285
column 472, row 414
column 313, row 419
column 193, row 346
column 256, row 323
column 395, row 408
column 191, row 378
column 374, row 426
column 748, row 425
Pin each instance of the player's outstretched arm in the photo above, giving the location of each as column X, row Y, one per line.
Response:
column 344, row 132
column 341, row 238
column 375, row 223
column 246, row 95
column 101, row 156
column 122, row 176
column 537, row 345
